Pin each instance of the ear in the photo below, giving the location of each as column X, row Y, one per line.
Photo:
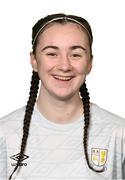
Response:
column 33, row 62
column 90, row 65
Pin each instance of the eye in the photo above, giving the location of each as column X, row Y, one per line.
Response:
column 76, row 56
column 51, row 54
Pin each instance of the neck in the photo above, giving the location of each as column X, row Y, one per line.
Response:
column 60, row 111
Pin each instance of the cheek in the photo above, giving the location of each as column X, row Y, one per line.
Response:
column 44, row 65
column 81, row 68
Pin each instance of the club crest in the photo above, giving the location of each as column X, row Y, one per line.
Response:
column 99, row 156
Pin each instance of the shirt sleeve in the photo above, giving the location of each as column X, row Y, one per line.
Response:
column 3, row 159
column 123, row 170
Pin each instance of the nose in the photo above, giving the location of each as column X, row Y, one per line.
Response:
column 65, row 63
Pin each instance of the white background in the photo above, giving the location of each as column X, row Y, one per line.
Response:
column 106, row 82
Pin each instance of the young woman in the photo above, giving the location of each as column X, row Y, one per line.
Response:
column 60, row 134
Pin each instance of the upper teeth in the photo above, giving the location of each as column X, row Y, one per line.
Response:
column 62, row 78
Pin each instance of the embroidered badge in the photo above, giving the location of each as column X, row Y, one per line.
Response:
column 99, row 156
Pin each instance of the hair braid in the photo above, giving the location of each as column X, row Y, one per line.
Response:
column 86, row 105
column 27, row 118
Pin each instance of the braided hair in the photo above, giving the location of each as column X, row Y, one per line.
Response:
column 35, row 86
column 86, row 107
column 27, row 118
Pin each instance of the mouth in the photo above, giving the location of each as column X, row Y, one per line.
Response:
column 63, row 78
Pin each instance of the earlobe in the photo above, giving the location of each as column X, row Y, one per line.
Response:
column 33, row 62
column 89, row 68
column 90, row 65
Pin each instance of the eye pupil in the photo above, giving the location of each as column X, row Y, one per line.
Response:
column 51, row 54
column 76, row 55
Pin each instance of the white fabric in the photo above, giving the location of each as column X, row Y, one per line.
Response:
column 55, row 151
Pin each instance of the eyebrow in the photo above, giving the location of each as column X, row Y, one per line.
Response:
column 72, row 47
column 47, row 47
column 77, row 47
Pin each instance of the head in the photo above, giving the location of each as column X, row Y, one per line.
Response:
column 62, row 46
column 62, row 49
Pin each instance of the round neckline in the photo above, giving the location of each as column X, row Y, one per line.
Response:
column 56, row 126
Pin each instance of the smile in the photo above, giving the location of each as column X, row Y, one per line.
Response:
column 63, row 78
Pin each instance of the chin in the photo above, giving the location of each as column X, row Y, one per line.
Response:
column 64, row 97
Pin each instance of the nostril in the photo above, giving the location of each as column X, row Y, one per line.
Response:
column 65, row 67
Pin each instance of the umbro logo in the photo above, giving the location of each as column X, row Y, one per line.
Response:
column 16, row 157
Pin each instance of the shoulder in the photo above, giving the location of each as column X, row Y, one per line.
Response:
column 100, row 115
column 11, row 121
column 107, row 124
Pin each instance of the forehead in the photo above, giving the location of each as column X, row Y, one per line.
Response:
column 68, row 23
column 67, row 29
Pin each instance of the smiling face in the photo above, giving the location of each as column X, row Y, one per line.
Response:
column 62, row 59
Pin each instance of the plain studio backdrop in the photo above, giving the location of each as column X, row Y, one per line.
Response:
column 106, row 83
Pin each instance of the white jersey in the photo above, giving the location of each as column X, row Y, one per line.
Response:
column 55, row 151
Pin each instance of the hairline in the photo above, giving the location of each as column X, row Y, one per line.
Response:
column 64, row 20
